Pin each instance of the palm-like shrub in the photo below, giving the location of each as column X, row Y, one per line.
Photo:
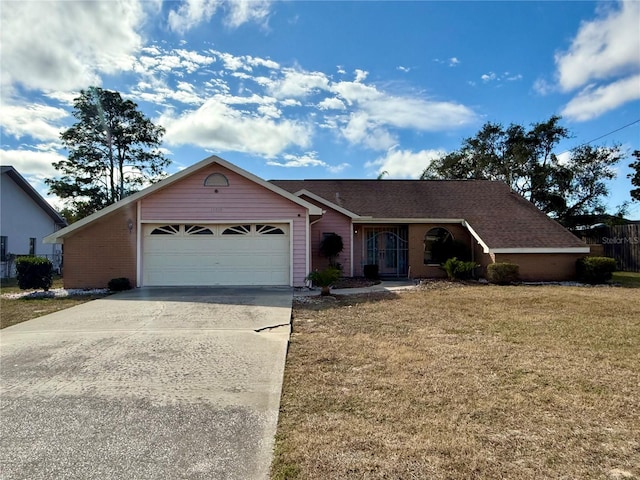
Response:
column 324, row 279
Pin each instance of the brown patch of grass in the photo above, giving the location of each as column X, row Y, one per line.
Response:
column 14, row 311
column 463, row 382
column 10, row 285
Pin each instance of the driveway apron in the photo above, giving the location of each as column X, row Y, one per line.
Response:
column 147, row 384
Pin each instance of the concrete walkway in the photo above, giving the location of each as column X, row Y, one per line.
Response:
column 384, row 286
column 146, row 384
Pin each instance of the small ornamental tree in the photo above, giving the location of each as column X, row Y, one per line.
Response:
column 330, row 247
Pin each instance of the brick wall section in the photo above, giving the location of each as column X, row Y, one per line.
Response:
column 552, row 267
column 101, row 251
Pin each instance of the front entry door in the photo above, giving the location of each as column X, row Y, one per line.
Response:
column 387, row 248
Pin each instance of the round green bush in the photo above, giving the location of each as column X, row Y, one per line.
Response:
column 34, row 273
column 503, row 273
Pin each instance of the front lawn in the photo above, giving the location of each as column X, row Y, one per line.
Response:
column 17, row 310
column 463, row 382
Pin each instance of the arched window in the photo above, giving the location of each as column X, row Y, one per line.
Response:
column 437, row 245
column 216, row 180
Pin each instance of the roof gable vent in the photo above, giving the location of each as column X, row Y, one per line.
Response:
column 216, row 180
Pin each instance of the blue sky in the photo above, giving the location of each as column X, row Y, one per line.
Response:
column 321, row 89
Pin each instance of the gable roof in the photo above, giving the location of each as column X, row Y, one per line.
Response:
column 19, row 180
column 58, row 237
column 501, row 220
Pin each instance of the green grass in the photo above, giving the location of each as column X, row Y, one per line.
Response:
column 627, row 279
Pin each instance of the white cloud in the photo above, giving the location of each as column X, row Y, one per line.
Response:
column 453, row 61
column 243, row 11
column 488, row 77
column 192, row 13
column 360, row 129
column 603, row 48
column 542, row 87
column 403, row 69
column 217, row 126
column 603, row 62
column 375, row 111
column 360, row 75
column 404, row 163
column 40, row 122
column 61, row 45
column 331, row 103
column 298, row 84
column 593, row 102
column 26, row 161
column 309, row 159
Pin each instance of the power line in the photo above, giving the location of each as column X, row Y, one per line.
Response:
column 607, row 134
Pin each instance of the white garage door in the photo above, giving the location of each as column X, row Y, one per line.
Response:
column 232, row 254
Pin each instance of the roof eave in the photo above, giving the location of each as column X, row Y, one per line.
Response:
column 58, row 237
column 364, row 219
column 34, row 195
column 326, row 203
column 540, row 250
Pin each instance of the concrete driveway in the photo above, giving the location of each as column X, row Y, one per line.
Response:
column 146, row 384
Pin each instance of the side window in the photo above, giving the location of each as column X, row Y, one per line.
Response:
column 437, row 244
column 3, row 248
column 32, row 246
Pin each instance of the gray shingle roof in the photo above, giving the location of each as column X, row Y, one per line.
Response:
column 502, row 219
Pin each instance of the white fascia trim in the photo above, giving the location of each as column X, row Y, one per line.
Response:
column 541, row 250
column 231, row 221
column 485, row 247
column 139, row 238
column 327, row 203
column 307, row 250
column 360, row 220
column 58, row 237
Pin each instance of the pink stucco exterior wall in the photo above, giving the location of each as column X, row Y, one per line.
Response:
column 331, row 222
column 243, row 201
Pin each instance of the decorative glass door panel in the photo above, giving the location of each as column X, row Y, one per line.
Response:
column 387, row 247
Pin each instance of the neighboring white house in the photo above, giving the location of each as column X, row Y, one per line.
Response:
column 25, row 219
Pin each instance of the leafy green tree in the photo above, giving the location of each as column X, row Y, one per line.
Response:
column 635, row 177
column 113, row 150
column 525, row 160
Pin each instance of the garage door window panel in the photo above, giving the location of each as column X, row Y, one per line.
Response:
column 197, row 230
column 269, row 230
column 166, row 230
column 237, row 230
